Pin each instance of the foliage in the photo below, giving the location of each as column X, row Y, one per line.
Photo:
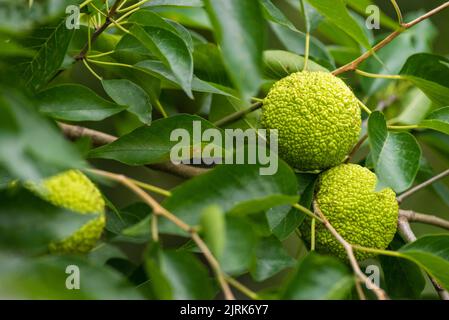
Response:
column 137, row 70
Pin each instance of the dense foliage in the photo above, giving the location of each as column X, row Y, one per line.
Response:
column 103, row 95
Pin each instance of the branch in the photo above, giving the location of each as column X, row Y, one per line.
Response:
column 381, row 295
column 404, row 26
column 158, row 210
column 413, row 216
column 407, row 234
column 237, row 115
column 100, row 30
column 420, row 186
column 74, row 132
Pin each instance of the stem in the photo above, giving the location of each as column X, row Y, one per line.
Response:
column 356, row 148
column 127, row 14
column 257, row 99
column 151, row 188
column 306, row 211
column 413, row 216
column 377, row 251
column 381, row 295
column 237, row 115
column 420, row 186
column 306, row 51
column 154, row 228
column 92, row 70
column 356, row 62
column 100, row 54
column 161, row 211
column 365, row 108
column 242, row 288
column 85, row 3
column 99, row 31
column 161, row 109
column 398, row 11
column 414, row 126
column 407, row 234
column 312, row 235
column 378, row 76
column 110, row 63
column 134, row 6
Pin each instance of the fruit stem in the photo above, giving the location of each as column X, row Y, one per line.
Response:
column 306, row 211
column 378, row 76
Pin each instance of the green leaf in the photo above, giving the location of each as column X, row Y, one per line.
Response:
column 171, row 50
column 29, row 224
column 271, row 258
column 151, row 144
column 361, row 5
column 238, row 28
column 219, row 187
column 240, row 243
column 74, row 102
column 279, row 64
column 337, row 13
column 127, row 93
column 432, row 254
column 31, row 147
column 213, row 227
column 319, row 278
column 272, row 13
column 294, row 41
column 46, row 278
column 395, row 155
column 403, row 279
column 416, row 106
column 177, row 275
column 149, row 18
column 430, row 73
column 438, row 120
column 48, row 58
column 157, row 69
column 391, row 58
column 181, row 3
column 283, row 220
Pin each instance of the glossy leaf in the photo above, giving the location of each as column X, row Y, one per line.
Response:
column 336, row 11
column 396, row 155
column 438, row 120
column 74, row 102
column 151, row 144
column 271, row 258
column 129, row 94
column 171, row 49
column 238, row 28
column 430, row 73
column 319, row 278
column 219, row 186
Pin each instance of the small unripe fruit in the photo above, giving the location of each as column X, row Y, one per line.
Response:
column 74, row 191
column 347, row 198
column 317, row 116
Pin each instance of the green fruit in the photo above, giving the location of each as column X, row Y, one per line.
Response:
column 317, row 117
column 346, row 196
column 74, row 191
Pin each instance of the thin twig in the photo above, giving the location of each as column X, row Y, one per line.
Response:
column 355, row 63
column 242, row 288
column 420, row 186
column 158, row 210
column 98, row 138
column 407, row 234
column 413, row 216
column 381, row 295
column 237, row 115
column 99, row 31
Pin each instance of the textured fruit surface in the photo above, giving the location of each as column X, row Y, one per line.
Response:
column 74, row 191
column 317, row 117
column 346, row 196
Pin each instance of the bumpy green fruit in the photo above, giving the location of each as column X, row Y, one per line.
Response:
column 346, row 196
column 317, row 117
column 74, row 191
